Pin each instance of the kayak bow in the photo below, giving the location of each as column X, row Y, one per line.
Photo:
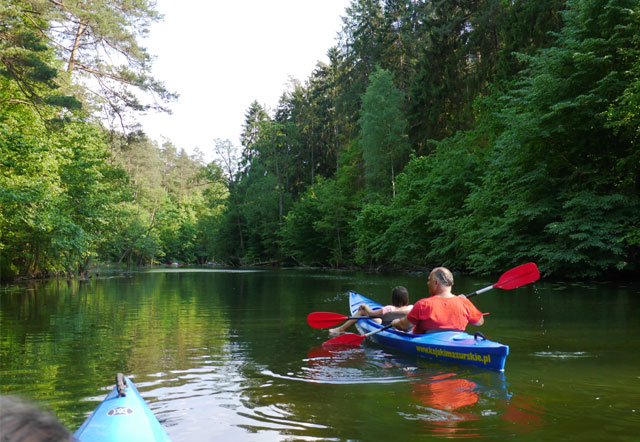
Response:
column 122, row 416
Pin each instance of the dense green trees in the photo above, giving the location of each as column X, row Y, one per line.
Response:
column 474, row 134
column 58, row 194
column 557, row 136
column 522, row 117
column 71, row 191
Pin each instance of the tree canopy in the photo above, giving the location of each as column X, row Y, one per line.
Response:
column 520, row 118
column 476, row 135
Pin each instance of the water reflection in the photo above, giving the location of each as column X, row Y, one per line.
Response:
column 451, row 404
column 444, row 400
column 523, row 414
column 561, row 354
column 446, row 393
column 352, row 365
column 229, row 356
column 447, row 403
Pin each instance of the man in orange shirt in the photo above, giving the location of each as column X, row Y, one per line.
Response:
column 442, row 310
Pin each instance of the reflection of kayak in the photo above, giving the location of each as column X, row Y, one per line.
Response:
column 451, row 346
column 122, row 418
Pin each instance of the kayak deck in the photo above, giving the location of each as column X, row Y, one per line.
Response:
column 451, row 346
column 122, row 418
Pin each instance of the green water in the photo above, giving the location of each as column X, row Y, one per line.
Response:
column 228, row 355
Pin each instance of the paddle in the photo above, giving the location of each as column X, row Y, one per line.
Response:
column 514, row 278
column 352, row 338
column 511, row 279
column 327, row 319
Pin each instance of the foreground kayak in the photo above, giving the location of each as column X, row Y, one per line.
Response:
column 451, row 346
column 122, row 416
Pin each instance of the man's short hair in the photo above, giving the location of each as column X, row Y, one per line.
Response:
column 443, row 275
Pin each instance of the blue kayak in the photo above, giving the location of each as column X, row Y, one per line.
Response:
column 451, row 346
column 122, row 416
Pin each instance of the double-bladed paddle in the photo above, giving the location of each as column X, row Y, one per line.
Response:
column 352, row 338
column 327, row 319
column 511, row 279
column 514, row 278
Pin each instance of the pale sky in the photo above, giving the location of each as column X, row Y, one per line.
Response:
column 221, row 55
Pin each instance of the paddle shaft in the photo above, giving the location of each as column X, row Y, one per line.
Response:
column 477, row 292
column 514, row 278
column 376, row 331
column 352, row 339
column 360, row 317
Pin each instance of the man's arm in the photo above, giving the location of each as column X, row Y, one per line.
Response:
column 481, row 321
column 402, row 324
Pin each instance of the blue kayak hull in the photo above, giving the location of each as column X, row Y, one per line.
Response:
column 450, row 346
column 127, row 418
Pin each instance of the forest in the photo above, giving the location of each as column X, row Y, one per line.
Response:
column 473, row 134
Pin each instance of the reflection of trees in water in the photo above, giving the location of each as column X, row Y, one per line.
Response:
column 67, row 337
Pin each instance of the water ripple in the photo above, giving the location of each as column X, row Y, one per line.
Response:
column 562, row 354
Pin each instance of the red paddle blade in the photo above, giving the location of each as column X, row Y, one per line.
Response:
column 518, row 276
column 325, row 319
column 348, row 339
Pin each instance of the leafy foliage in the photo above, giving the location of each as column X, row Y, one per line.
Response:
column 476, row 135
column 523, row 121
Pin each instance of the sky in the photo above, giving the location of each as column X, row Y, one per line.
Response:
column 221, row 55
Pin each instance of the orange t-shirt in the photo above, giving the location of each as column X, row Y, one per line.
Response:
column 448, row 313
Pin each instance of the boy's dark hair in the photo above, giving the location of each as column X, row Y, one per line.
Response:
column 399, row 296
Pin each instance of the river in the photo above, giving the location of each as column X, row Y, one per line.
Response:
column 228, row 355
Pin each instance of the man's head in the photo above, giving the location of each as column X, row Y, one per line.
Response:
column 439, row 279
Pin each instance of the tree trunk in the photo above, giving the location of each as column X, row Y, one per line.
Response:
column 393, row 182
column 239, row 230
column 76, row 44
column 279, row 178
column 312, row 162
column 238, row 220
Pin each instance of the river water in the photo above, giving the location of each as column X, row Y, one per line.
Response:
column 228, row 355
